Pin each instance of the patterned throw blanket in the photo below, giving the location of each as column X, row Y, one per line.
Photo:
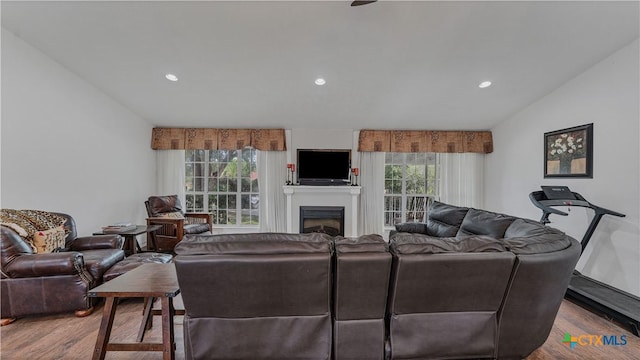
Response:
column 43, row 230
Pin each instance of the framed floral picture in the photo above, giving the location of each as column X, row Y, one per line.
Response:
column 569, row 152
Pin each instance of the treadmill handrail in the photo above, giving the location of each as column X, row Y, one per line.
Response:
column 539, row 199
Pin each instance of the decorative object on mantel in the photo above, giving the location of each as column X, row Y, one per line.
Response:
column 291, row 168
column 426, row 141
column 217, row 139
column 355, row 172
column 568, row 153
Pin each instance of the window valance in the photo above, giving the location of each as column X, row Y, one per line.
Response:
column 426, row 141
column 217, row 139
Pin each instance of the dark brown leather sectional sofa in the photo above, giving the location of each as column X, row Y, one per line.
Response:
column 475, row 284
column 467, row 284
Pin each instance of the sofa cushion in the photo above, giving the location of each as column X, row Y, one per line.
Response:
column 444, row 220
column 481, row 222
column 405, row 243
column 364, row 243
column 530, row 237
column 412, row 227
column 195, row 228
column 254, row 244
column 97, row 262
column 524, row 228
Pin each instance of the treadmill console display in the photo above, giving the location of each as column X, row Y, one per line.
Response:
column 558, row 193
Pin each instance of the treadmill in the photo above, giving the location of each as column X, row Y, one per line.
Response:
column 614, row 303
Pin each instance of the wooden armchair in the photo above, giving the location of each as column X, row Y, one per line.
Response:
column 167, row 211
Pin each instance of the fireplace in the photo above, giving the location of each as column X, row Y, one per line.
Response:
column 322, row 196
column 322, row 219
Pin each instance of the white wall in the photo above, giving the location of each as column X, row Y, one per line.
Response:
column 607, row 95
column 68, row 147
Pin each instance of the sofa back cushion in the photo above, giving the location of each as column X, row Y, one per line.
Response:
column 444, row 220
column 531, row 237
column 405, row 243
column 244, row 293
column 481, row 222
column 372, row 243
column 361, row 278
column 255, row 275
column 411, row 227
column 253, row 244
column 437, row 299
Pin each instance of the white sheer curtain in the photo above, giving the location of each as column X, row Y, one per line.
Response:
column 170, row 173
column 462, row 179
column 272, row 175
column 371, row 214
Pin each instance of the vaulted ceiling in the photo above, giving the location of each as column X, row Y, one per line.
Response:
column 389, row 64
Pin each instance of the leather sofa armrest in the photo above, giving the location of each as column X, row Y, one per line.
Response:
column 110, row 241
column 49, row 264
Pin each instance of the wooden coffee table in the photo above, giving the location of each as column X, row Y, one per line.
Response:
column 147, row 281
column 131, row 245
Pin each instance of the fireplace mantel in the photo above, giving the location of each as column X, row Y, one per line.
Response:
column 304, row 195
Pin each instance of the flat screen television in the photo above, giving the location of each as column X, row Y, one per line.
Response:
column 324, row 166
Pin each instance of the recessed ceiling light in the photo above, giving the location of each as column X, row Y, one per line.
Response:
column 171, row 77
column 484, row 84
column 320, row 81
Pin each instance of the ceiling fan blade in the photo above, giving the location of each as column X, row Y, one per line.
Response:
column 358, row 3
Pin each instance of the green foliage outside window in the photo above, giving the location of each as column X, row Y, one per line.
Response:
column 410, row 186
column 225, row 183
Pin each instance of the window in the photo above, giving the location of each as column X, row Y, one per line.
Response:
column 225, row 183
column 410, row 186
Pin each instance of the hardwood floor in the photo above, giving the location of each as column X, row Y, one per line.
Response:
column 577, row 321
column 68, row 337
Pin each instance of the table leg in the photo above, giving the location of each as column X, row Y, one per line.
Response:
column 104, row 333
column 131, row 245
column 127, row 245
column 151, row 241
column 137, row 244
column 168, row 341
column 147, row 318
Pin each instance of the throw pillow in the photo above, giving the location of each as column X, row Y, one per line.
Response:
column 171, row 215
column 47, row 241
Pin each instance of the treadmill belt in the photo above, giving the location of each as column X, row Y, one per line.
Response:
column 620, row 301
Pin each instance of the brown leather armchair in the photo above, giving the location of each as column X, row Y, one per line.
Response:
column 167, row 211
column 46, row 283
